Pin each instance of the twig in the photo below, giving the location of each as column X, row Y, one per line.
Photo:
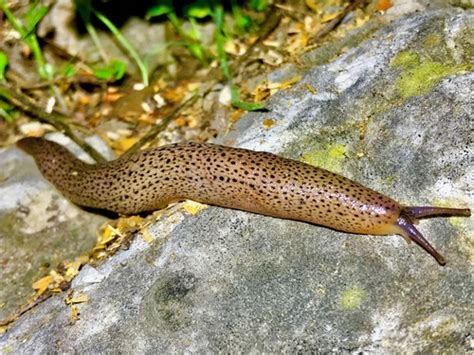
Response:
column 24, row 309
column 270, row 23
column 155, row 130
column 335, row 21
column 24, row 103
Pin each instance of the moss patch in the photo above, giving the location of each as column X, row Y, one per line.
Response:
column 329, row 158
column 419, row 75
column 352, row 298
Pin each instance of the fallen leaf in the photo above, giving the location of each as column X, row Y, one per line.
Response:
column 384, row 5
column 193, row 208
column 147, row 237
column 74, row 314
column 329, row 16
column 80, row 298
column 312, row 4
column 42, row 284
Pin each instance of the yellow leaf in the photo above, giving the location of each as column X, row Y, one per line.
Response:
column 146, row 235
column 74, row 313
column 124, row 144
column 328, row 17
column 81, row 298
column 110, row 233
column 42, row 284
column 57, row 277
column 193, row 208
column 72, row 269
column 125, row 223
column 312, row 5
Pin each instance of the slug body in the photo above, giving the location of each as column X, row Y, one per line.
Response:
column 242, row 179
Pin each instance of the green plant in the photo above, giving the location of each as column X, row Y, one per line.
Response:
column 7, row 111
column 26, row 28
column 115, row 68
column 191, row 39
column 198, row 10
column 3, row 65
column 220, row 41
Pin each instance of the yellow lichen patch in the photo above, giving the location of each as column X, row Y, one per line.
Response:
column 418, row 75
column 311, row 88
column 433, row 40
column 193, row 208
column 352, row 298
column 268, row 123
column 330, row 158
column 267, row 89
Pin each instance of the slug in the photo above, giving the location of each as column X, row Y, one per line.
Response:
column 242, row 179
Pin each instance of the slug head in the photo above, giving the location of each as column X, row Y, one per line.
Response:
column 412, row 214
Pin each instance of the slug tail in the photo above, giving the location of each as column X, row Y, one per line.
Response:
column 418, row 212
column 408, row 230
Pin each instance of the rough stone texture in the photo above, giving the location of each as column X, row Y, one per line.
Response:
column 394, row 112
column 38, row 227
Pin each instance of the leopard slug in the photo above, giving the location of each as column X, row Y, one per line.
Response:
column 242, row 179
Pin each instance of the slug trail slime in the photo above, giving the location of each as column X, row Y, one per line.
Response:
column 252, row 181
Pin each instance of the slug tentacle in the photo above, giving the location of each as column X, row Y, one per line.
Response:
column 411, row 215
column 418, row 212
column 408, row 230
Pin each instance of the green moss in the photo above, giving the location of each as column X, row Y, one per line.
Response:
column 405, row 60
column 329, row 158
column 352, row 298
column 419, row 75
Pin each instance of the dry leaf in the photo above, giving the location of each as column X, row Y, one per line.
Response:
column 329, row 16
column 312, row 4
column 80, row 298
column 192, row 207
column 272, row 58
column 147, row 237
column 74, row 314
column 383, row 5
column 42, row 284
column 123, row 144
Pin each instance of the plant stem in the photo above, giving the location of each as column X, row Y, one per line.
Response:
column 124, row 42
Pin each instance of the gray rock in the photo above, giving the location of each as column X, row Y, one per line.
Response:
column 38, row 227
column 394, row 112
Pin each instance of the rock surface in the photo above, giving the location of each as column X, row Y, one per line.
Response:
column 395, row 113
column 38, row 227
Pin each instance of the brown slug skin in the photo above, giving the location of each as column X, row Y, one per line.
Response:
column 258, row 182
